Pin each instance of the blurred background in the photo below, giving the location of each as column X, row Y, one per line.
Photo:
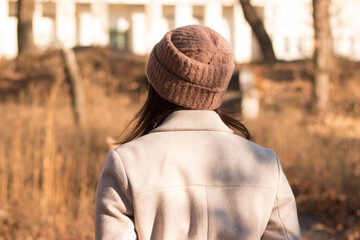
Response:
column 72, row 76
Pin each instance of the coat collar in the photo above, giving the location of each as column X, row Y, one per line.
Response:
column 193, row 120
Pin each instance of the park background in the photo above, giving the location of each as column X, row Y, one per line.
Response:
column 72, row 76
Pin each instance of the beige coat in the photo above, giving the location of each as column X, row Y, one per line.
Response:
column 193, row 178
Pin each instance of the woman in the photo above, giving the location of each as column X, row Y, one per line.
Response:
column 183, row 173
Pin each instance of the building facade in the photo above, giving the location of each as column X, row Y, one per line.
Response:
column 136, row 25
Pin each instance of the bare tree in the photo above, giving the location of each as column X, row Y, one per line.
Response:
column 259, row 30
column 77, row 89
column 25, row 11
column 323, row 55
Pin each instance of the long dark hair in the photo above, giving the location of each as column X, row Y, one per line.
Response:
column 156, row 109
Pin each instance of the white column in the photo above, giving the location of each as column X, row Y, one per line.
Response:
column 85, row 28
column 154, row 24
column 183, row 13
column 242, row 37
column 4, row 13
column 37, row 24
column 66, row 22
column 213, row 15
column 100, row 12
column 138, row 33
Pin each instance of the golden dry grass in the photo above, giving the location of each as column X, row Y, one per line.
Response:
column 49, row 168
column 320, row 154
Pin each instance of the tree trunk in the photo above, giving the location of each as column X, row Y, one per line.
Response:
column 323, row 55
column 258, row 28
column 77, row 92
column 25, row 12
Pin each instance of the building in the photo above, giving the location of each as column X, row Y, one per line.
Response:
column 135, row 25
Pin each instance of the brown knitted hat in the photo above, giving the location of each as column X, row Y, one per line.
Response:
column 191, row 67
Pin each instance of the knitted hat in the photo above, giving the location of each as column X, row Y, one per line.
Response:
column 191, row 66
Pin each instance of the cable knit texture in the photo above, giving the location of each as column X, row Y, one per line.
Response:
column 191, row 66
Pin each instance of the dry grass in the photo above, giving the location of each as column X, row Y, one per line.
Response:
column 320, row 155
column 49, row 168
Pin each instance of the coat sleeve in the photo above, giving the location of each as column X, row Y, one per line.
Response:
column 283, row 223
column 114, row 215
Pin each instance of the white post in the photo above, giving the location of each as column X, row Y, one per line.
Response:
column 183, row 13
column 154, row 24
column 66, row 23
column 4, row 13
column 249, row 96
column 100, row 13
